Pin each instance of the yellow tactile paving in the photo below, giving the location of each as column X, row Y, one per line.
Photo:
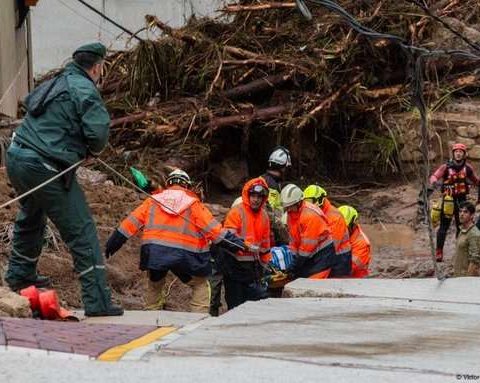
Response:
column 115, row 353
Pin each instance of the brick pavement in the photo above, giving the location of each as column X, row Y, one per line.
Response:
column 70, row 337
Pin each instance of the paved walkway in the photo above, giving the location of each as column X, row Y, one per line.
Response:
column 69, row 337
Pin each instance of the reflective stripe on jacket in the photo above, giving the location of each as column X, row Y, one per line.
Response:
column 252, row 226
column 361, row 253
column 338, row 227
column 178, row 220
column 309, row 231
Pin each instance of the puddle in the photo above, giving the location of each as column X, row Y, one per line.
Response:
column 390, row 235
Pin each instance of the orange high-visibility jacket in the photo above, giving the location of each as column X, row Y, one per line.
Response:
column 252, row 226
column 361, row 253
column 178, row 220
column 309, row 231
column 338, row 227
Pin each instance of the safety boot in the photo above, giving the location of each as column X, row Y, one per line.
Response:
column 39, row 281
column 111, row 311
column 200, row 302
column 439, row 255
column 154, row 295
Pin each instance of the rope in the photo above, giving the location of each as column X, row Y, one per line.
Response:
column 56, row 176
column 163, row 206
column 420, row 103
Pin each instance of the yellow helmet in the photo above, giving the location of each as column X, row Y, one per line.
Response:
column 316, row 193
column 349, row 213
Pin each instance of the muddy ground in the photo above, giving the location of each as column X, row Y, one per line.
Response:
column 400, row 247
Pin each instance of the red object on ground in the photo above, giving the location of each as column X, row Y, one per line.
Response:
column 47, row 303
column 32, row 294
column 50, row 306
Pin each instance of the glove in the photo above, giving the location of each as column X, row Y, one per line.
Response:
column 473, row 270
column 290, row 275
column 142, row 181
column 114, row 243
column 232, row 242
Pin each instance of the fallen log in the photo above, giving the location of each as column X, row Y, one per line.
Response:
column 128, row 119
column 265, row 62
column 256, row 86
column 248, row 117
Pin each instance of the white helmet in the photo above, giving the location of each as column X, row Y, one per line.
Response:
column 179, row 177
column 291, row 195
column 280, row 157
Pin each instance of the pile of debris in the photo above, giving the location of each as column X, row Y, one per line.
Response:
column 263, row 75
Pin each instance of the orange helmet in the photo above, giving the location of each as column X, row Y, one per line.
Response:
column 459, row 146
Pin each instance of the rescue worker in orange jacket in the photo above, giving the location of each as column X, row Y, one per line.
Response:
column 243, row 270
column 454, row 179
column 318, row 196
column 361, row 249
column 310, row 238
column 177, row 231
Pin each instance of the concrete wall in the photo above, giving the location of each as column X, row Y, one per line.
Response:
column 59, row 26
column 14, row 73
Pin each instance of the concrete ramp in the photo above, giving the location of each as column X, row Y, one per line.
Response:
column 454, row 290
column 398, row 339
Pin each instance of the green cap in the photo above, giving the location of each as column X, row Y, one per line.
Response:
column 95, row 48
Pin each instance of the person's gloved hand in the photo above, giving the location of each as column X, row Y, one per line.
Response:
column 114, row 243
column 144, row 183
column 232, row 242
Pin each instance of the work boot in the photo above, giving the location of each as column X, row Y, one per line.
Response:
column 154, row 295
column 111, row 311
column 39, row 281
column 439, row 255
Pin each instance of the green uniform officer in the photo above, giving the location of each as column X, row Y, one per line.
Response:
column 66, row 121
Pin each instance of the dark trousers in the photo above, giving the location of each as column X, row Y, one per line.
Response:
column 69, row 212
column 445, row 222
column 216, row 282
column 237, row 292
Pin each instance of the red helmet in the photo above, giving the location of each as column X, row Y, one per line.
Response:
column 459, row 146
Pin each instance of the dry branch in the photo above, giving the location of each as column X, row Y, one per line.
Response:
column 326, row 103
column 231, row 8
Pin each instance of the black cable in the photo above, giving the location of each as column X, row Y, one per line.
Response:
column 110, row 20
column 355, row 25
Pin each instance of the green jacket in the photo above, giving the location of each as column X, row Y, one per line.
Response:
column 468, row 250
column 66, row 118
